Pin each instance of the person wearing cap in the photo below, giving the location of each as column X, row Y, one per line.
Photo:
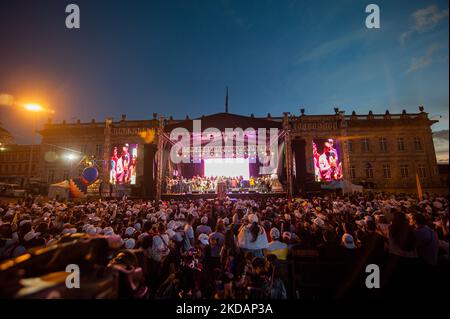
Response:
column 189, row 233
column 276, row 247
column 252, row 237
column 203, row 228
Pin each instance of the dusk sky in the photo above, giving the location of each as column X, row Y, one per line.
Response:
column 176, row 58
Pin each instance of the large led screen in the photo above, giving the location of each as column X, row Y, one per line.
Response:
column 122, row 169
column 227, row 167
column 327, row 160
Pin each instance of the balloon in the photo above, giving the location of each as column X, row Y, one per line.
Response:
column 77, row 188
column 90, row 174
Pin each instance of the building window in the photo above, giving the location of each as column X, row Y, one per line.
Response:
column 404, row 171
column 51, row 175
column 387, row 171
column 369, row 170
column 400, row 144
column 417, row 144
column 99, row 149
column 1, row 168
column 350, row 146
column 365, row 145
column 383, row 144
column 19, row 168
column 422, row 170
column 66, row 174
column 352, row 171
column 83, row 149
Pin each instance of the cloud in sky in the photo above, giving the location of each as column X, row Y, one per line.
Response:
column 332, row 47
column 419, row 63
column 441, row 140
column 424, row 20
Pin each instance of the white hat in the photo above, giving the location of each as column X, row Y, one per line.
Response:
column 171, row 224
column 91, row 230
column 171, row 233
column 226, row 220
column 252, row 218
column 129, row 243
column 23, row 222
column 108, row 231
column 348, row 242
column 69, row 231
column 129, row 231
column 204, row 220
column 31, row 235
column 275, row 233
column 204, row 239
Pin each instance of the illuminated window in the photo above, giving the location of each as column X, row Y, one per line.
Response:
column 400, row 144
column 51, row 175
column 350, row 146
column 99, row 149
column 369, row 170
column 417, row 144
column 365, row 145
column 383, row 144
column 404, row 171
column 422, row 170
column 387, row 171
column 352, row 171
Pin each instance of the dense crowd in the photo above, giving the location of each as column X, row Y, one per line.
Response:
column 205, row 184
column 238, row 248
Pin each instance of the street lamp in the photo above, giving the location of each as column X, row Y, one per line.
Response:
column 33, row 108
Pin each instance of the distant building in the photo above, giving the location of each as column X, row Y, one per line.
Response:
column 379, row 151
column 5, row 137
column 15, row 163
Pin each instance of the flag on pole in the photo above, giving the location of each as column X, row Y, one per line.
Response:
column 419, row 187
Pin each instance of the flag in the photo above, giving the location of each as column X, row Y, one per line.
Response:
column 419, row 187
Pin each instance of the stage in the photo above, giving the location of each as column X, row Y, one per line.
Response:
column 194, row 196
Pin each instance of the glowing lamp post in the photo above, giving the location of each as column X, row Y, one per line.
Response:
column 33, row 108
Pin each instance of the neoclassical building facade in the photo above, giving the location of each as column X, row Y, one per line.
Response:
column 379, row 151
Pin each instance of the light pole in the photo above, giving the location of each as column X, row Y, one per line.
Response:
column 34, row 109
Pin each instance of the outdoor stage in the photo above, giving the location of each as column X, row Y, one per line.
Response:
column 194, row 196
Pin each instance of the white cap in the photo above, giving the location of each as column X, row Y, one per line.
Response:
column 204, row 239
column 129, row 231
column 348, row 242
column 275, row 233
column 129, row 243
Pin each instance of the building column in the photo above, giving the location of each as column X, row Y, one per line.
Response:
column 288, row 157
column 106, row 152
column 159, row 162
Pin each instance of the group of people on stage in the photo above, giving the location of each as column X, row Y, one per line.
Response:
column 206, row 184
column 327, row 167
column 122, row 167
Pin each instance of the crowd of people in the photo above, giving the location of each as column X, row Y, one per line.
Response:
column 238, row 248
column 209, row 184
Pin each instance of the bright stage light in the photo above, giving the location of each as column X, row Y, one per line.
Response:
column 34, row 107
column 70, row 156
column 228, row 167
